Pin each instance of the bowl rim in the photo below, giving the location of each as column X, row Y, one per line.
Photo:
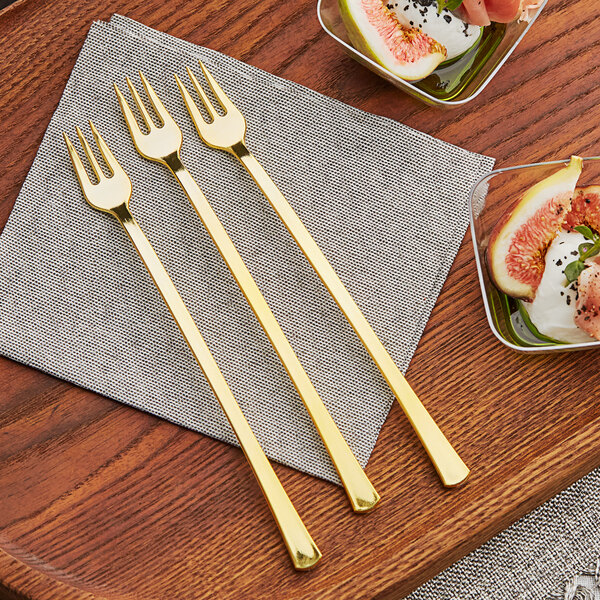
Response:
column 415, row 90
column 524, row 349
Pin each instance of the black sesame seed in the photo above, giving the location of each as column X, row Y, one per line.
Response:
column 448, row 18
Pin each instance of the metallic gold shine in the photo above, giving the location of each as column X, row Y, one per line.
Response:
column 227, row 133
column 163, row 146
column 112, row 194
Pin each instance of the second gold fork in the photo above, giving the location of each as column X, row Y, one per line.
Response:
column 162, row 144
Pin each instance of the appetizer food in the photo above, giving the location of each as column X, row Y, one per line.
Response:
column 544, row 252
column 553, row 310
column 411, row 38
column 518, row 243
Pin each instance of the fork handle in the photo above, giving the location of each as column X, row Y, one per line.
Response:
column 301, row 547
column 450, row 467
column 360, row 491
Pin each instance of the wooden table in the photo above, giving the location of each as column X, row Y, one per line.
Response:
column 99, row 500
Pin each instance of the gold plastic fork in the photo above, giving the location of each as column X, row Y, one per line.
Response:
column 162, row 144
column 228, row 132
column 111, row 195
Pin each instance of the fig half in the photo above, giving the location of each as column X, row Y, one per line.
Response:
column 376, row 31
column 517, row 246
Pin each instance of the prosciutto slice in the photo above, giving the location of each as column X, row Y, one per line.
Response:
column 587, row 305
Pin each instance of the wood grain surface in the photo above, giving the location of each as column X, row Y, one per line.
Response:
column 98, row 500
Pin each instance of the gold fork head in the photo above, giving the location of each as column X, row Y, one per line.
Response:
column 224, row 130
column 159, row 141
column 109, row 192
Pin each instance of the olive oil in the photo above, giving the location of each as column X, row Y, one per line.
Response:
column 448, row 82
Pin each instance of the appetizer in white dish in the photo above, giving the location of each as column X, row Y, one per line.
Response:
column 544, row 252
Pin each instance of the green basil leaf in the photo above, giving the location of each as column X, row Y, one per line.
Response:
column 573, row 270
column 585, row 231
column 585, row 247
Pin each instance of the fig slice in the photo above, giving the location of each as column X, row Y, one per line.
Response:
column 518, row 243
column 375, row 31
column 585, row 208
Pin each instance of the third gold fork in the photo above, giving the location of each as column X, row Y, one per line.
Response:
column 227, row 132
column 162, row 144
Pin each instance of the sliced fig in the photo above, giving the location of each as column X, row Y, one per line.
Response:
column 375, row 31
column 518, row 242
column 587, row 306
column 585, row 208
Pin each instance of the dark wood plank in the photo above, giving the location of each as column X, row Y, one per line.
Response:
column 99, row 500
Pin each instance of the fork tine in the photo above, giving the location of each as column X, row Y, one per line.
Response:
column 90, row 155
column 205, row 99
column 159, row 108
column 107, row 155
column 82, row 176
column 128, row 115
column 140, row 104
column 221, row 96
column 191, row 106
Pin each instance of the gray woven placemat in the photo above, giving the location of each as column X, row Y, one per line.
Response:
column 534, row 559
column 387, row 205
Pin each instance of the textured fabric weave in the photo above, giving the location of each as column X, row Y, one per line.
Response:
column 386, row 204
column 532, row 559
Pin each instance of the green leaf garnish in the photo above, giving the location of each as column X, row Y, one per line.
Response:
column 595, row 248
column 573, row 270
column 583, row 248
column 585, row 231
column 586, row 250
column 449, row 4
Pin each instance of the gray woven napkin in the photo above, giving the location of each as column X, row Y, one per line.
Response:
column 543, row 556
column 386, row 204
